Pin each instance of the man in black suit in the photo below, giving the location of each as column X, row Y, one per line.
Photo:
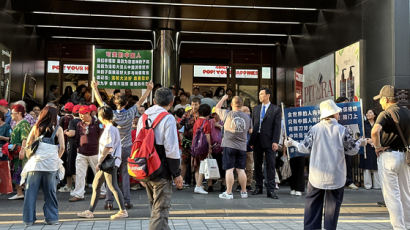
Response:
column 266, row 119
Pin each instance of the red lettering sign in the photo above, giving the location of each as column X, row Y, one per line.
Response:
column 108, row 54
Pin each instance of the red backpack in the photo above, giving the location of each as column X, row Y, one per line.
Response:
column 144, row 162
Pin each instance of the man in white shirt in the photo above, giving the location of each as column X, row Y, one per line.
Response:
column 159, row 189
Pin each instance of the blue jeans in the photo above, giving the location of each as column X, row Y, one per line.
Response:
column 48, row 183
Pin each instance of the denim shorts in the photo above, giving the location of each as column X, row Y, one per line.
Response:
column 233, row 158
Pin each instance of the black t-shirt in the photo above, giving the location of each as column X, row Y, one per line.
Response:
column 73, row 126
column 389, row 135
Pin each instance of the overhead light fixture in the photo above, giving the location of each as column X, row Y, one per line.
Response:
column 104, row 39
column 228, row 43
column 240, row 34
column 89, row 28
column 164, row 18
column 201, row 5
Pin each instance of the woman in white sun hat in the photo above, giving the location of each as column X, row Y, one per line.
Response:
column 327, row 142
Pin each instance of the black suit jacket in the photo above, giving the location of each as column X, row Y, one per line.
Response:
column 270, row 128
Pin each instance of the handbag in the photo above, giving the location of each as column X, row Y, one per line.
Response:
column 407, row 153
column 44, row 143
column 108, row 163
column 33, row 148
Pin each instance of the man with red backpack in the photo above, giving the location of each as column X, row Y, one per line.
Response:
column 159, row 188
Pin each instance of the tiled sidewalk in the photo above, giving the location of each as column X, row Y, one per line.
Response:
column 207, row 223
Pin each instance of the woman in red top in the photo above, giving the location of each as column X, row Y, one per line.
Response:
column 204, row 111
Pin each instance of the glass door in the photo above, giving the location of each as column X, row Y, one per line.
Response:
column 246, row 80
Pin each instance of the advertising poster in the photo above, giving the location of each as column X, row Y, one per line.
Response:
column 347, row 72
column 318, row 81
column 298, row 87
column 299, row 120
column 122, row 69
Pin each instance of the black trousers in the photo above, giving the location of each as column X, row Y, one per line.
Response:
column 297, row 180
column 316, row 201
column 349, row 171
column 258, row 155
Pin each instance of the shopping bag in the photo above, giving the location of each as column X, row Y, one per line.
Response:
column 285, row 170
column 5, row 178
column 211, row 169
column 202, row 167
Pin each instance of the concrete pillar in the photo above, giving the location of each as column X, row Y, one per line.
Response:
column 165, row 58
column 386, row 36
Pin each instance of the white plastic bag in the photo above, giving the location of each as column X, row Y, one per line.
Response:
column 202, row 167
column 285, row 171
column 211, row 169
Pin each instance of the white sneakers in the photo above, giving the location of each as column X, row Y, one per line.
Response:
column 226, row 196
column 65, row 189
column 16, row 197
column 200, row 190
column 244, row 195
column 295, row 193
column 353, row 186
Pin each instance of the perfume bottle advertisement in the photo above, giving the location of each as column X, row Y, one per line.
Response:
column 347, row 72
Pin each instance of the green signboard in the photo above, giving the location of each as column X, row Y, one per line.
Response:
column 122, row 69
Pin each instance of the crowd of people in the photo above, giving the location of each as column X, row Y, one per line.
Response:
column 72, row 135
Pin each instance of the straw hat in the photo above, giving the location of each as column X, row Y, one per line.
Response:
column 328, row 108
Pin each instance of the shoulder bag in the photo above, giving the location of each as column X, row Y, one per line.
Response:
column 42, row 142
column 407, row 153
column 108, row 164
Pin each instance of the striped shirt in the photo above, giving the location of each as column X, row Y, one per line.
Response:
column 123, row 118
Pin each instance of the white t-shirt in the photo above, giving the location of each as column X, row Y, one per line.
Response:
column 110, row 138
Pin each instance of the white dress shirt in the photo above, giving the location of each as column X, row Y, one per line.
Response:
column 165, row 132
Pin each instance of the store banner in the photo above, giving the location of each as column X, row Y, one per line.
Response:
column 122, row 69
column 75, row 69
column 299, row 120
column 298, row 87
column 208, row 71
column 7, row 68
column 53, row 67
column 347, row 72
column 246, row 73
column 318, row 81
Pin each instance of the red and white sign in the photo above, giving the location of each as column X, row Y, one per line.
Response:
column 299, row 87
column 221, row 72
column 247, row 73
column 210, row 71
column 75, row 69
column 53, row 67
column 7, row 68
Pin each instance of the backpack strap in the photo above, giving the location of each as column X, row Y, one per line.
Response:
column 158, row 119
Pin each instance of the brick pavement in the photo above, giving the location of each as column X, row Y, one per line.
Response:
column 194, row 211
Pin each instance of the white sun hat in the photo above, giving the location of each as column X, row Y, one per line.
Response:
column 328, row 108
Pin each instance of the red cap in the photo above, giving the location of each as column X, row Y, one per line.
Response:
column 76, row 108
column 84, row 109
column 69, row 107
column 4, row 103
column 93, row 108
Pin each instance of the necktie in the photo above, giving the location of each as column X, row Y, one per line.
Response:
column 262, row 116
column 263, row 112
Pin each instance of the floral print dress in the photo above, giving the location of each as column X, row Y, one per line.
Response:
column 19, row 133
